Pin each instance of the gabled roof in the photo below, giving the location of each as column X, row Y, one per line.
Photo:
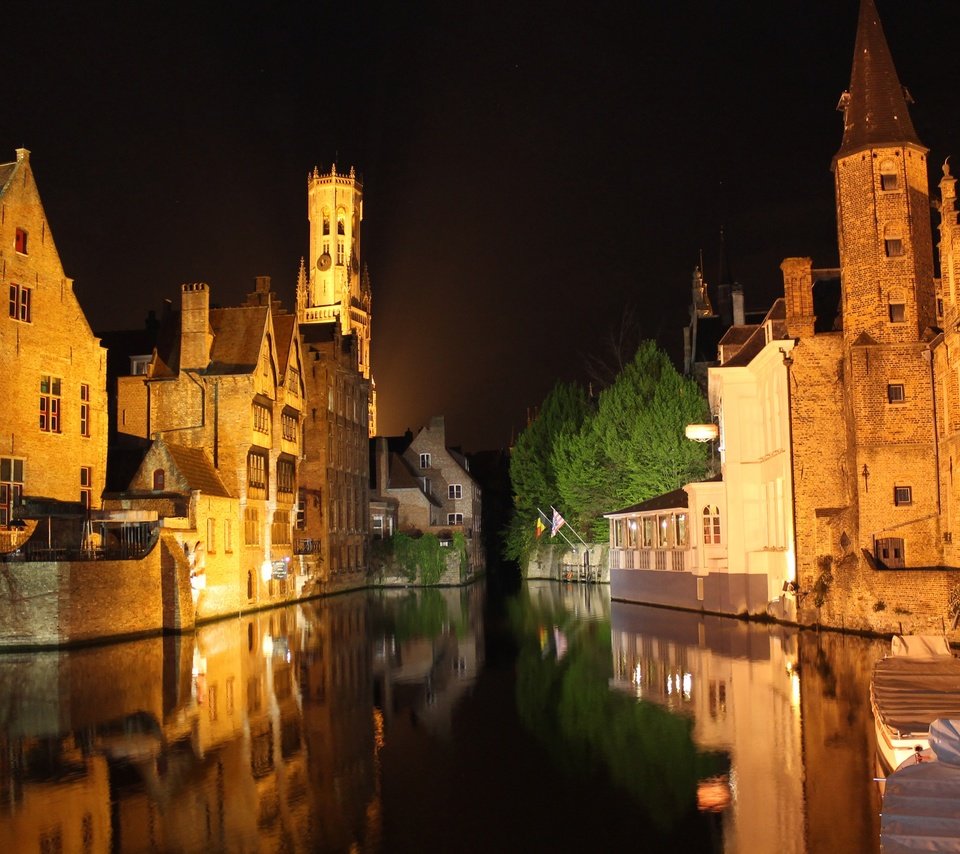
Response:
column 238, row 336
column 283, row 327
column 875, row 109
column 197, row 470
column 402, row 476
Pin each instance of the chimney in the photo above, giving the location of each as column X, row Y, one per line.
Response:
column 383, row 465
column 195, row 336
column 798, row 291
column 263, row 284
column 737, row 296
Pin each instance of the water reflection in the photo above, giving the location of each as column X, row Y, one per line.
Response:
column 374, row 722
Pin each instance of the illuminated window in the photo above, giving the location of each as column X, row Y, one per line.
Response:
column 20, row 241
column 50, row 404
column 663, row 532
column 377, row 527
column 211, row 536
column 895, row 393
column 257, row 474
column 339, row 253
column 646, row 532
column 228, row 535
column 680, row 530
column 261, row 418
column 251, row 526
column 455, row 490
column 20, row 301
column 902, row 495
column 158, row 480
column 280, row 530
column 285, row 476
column 889, row 177
column 301, row 510
column 86, row 482
column 889, row 551
column 424, row 461
column 898, row 312
column 11, row 487
column 84, row 410
column 454, row 518
column 711, row 525
column 293, row 382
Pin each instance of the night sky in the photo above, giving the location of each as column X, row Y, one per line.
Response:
column 533, row 172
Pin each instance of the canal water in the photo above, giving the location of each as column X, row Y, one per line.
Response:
column 445, row 720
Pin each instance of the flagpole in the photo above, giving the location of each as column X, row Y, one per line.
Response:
column 566, row 540
column 554, row 509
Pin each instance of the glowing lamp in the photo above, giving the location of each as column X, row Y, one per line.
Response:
column 266, row 570
column 702, row 432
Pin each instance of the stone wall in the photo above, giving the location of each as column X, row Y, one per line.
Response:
column 562, row 563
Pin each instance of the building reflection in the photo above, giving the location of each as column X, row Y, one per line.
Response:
column 260, row 733
column 739, row 683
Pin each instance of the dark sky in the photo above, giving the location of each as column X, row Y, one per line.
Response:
column 532, row 171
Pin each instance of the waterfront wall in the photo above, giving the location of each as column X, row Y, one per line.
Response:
column 562, row 563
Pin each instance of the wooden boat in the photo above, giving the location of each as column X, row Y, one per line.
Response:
column 913, row 686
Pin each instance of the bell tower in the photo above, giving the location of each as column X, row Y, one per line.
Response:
column 334, row 287
column 883, row 220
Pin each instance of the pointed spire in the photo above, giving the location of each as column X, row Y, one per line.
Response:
column 875, row 107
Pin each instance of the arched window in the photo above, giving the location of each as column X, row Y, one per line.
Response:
column 711, row 525
column 326, row 222
column 158, row 480
column 889, row 175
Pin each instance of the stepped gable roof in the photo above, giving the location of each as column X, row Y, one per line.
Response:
column 197, row 470
column 237, row 338
column 875, row 107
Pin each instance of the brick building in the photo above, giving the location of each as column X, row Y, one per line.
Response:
column 53, row 385
column 222, row 400
column 862, row 360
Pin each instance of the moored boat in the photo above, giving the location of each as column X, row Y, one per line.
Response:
column 920, row 798
column 913, row 686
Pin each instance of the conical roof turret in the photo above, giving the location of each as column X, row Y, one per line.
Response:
column 875, row 107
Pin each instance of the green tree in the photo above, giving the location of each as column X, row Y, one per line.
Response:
column 532, row 475
column 635, row 446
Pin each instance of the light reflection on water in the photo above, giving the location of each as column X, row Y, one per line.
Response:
column 377, row 722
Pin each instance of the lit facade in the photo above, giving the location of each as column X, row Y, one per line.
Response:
column 334, row 287
column 54, row 380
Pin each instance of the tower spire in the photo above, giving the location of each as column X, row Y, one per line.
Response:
column 875, row 106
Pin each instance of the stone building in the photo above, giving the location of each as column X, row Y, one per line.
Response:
column 222, row 400
column 859, row 362
column 334, row 287
column 444, row 477
column 53, row 385
column 333, row 313
column 333, row 525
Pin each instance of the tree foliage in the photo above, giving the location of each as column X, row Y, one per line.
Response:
column 590, row 460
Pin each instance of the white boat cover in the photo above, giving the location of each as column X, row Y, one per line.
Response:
column 921, row 802
column 919, row 646
column 910, row 693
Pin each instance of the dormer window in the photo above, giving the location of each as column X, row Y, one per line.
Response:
column 158, row 480
column 20, row 241
column 889, row 175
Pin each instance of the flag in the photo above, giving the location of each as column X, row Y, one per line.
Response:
column 557, row 523
column 540, row 526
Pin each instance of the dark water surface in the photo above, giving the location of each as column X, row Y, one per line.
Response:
column 549, row 720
